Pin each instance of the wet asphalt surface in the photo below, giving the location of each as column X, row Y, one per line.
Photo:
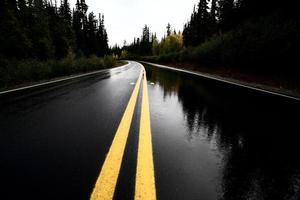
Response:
column 218, row 141
column 210, row 140
column 53, row 143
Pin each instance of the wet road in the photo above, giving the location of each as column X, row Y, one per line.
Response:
column 218, row 141
column 210, row 140
column 53, row 142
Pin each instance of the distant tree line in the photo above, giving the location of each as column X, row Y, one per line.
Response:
column 141, row 46
column 40, row 29
column 149, row 44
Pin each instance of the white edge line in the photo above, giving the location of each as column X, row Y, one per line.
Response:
column 60, row 80
column 225, row 81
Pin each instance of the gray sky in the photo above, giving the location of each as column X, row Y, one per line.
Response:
column 124, row 19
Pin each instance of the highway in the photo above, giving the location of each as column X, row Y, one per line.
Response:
column 143, row 132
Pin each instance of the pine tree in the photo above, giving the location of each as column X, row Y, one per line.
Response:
column 13, row 39
column 104, row 44
column 202, row 21
column 213, row 11
column 146, row 44
column 39, row 31
column 60, row 30
column 65, row 11
column 169, row 29
column 91, row 34
column 226, row 14
column 197, row 30
column 66, row 15
column 102, row 39
column 213, row 23
column 80, row 26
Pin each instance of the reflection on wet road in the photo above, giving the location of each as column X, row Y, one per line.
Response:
column 216, row 141
column 210, row 140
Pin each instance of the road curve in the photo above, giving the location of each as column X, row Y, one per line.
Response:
column 144, row 132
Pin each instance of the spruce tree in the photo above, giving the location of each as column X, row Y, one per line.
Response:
column 169, row 29
column 65, row 11
column 80, row 26
column 39, row 31
column 13, row 39
column 213, row 11
column 213, row 23
column 226, row 14
column 202, row 21
column 91, row 37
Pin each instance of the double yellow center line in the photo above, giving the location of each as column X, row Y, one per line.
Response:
column 145, row 181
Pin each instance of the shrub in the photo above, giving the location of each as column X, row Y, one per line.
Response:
column 14, row 72
column 109, row 61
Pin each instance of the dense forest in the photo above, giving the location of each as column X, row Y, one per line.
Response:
column 41, row 40
column 244, row 32
column 42, row 30
column 247, row 35
column 256, row 36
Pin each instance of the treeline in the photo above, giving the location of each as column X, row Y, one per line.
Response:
column 255, row 36
column 141, row 46
column 224, row 15
column 260, row 36
column 40, row 40
column 148, row 44
column 40, row 29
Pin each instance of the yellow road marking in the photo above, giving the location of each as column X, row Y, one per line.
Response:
column 145, row 180
column 107, row 180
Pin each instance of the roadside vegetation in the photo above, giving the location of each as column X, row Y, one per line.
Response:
column 41, row 40
column 18, row 72
column 252, row 37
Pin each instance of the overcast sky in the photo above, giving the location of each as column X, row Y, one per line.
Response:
column 124, row 19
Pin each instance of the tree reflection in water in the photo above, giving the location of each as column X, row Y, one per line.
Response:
column 257, row 134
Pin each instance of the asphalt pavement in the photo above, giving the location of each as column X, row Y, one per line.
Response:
column 54, row 140
column 143, row 132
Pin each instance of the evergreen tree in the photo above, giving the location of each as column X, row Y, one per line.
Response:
column 66, row 15
column 169, row 29
column 198, row 29
column 65, row 12
column 213, row 11
column 91, row 34
column 213, row 23
column 104, row 38
column 226, row 14
column 13, row 39
column 39, row 31
column 60, row 30
column 145, row 43
column 79, row 26
column 202, row 21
